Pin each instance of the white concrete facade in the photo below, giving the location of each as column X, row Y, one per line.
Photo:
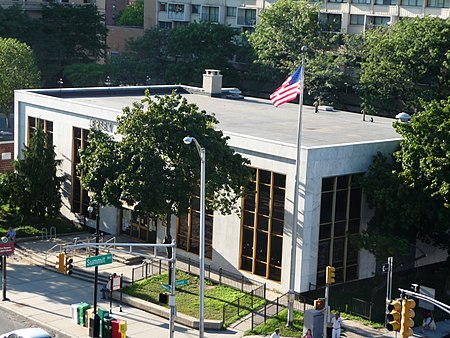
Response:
column 334, row 144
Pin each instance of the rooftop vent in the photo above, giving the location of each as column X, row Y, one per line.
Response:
column 403, row 117
column 212, row 82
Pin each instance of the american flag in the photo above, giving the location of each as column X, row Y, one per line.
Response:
column 288, row 90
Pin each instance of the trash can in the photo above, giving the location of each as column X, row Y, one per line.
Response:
column 123, row 328
column 102, row 313
column 82, row 307
column 164, row 297
column 87, row 316
column 115, row 328
column 107, row 327
column 75, row 316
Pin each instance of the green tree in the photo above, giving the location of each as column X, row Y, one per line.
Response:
column 35, row 188
column 18, row 70
column 283, row 29
column 86, row 74
column 132, row 15
column 405, row 63
column 155, row 171
column 410, row 193
column 68, row 35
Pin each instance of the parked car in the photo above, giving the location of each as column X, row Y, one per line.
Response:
column 27, row 333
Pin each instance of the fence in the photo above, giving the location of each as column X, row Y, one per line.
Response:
column 272, row 308
column 244, row 305
column 356, row 307
column 147, row 269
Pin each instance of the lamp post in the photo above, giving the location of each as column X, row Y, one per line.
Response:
column 202, row 154
column 97, row 230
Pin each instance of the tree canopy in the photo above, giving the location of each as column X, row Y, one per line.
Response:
column 405, row 63
column 35, row 188
column 410, row 194
column 283, row 29
column 132, row 15
column 18, row 70
column 153, row 170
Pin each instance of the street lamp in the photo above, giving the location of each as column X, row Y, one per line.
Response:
column 201, row 152
column 97, row 230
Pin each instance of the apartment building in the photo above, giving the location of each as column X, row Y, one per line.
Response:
column 240, row 14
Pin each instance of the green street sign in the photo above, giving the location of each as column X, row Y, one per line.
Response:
column 182, row 282
column 178, row 282
column 99, row 260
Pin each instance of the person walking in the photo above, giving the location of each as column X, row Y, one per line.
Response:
column 308, row 334
column 11, row 235
column 316, row 105
column 336, row 322
column 276, row 334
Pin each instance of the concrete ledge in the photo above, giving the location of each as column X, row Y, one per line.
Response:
column 164, row 312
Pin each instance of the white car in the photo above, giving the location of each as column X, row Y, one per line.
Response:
column 26, row 333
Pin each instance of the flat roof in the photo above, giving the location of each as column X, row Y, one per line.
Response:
column 252, row 116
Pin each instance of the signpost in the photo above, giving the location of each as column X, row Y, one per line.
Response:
column 6, row 249
column 179, row 282
column 98, row 260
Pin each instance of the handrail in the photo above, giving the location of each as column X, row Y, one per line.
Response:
column 52, row 231
column 111, row 240
column 42, row 233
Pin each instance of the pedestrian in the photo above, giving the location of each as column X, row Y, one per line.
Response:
column 428, row 321
column 316, row 105
column 308, row 334
column 336, row 322
column 276, row 334
column 11, row 235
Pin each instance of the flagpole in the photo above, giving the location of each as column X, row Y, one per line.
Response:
column 291, row 293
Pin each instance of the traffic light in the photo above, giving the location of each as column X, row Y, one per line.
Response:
column 60, row 261
column 319, row 304
column 393, row 318
column 330, row 274
column 407, row 318
column 68, row 267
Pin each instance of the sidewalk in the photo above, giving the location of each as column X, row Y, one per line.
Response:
column 46, row 297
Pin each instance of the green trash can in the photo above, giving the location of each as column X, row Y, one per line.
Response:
column 107, row 327
column 82, row 307
column 102, row 313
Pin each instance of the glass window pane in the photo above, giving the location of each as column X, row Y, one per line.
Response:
column 342, row 182
column 274, row 273
column 265, row 176
column 352, row 254
column 325, row 231
column 353, row 226
column 247, row 243
column 328, row 184
column 279, row 180
column 260, row 268
column 355, row 203
column 261, row 246
column 339, row 229
column 352, row 273
column 276, row 246
column 338, row 253
column 341, row 205
column 324, row 255
column 246, row 264
column 264, row 199
column 263, row 223
column 249, row 199
column 278, row 203
column 326, row 207
column 249, row 218
column 277, row 227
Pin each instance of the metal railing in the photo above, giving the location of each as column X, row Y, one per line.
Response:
column 243, row 305
column 273, row 307
column 147, row 269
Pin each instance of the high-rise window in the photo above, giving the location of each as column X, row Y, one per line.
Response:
column 412, row 3
column 356, row 19
column 47, row 126
column 246, row 16
column 231, row 11
column 80, row 198
column 188, row 232
column 340, row 217
column 439, row 3
column 210, row 14
column 262, row 224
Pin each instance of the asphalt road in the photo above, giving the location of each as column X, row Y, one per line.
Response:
column 10, row 321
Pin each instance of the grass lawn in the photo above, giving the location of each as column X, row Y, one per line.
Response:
column 32, row 226
column 187, row 297
column 279, row 321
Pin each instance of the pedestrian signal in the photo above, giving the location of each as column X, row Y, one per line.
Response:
column 319, row 304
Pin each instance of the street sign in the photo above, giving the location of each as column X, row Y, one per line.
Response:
column 178, row 282
column 6, row 248
column 98, row 260
column 181, row 282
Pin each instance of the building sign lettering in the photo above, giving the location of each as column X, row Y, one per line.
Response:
column 102, row 125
